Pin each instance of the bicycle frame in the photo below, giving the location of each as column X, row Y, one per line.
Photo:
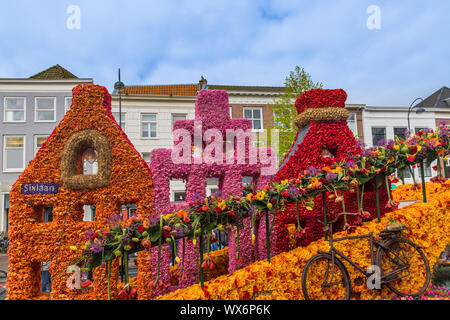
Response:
column 372, row 241
column 333, row 251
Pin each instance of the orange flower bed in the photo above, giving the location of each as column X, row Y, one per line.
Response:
column 281, row 279
column 408, row 192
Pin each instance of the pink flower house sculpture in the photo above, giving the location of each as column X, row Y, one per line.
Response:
column 212, row 118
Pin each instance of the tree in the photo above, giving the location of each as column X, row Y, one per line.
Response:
column 284, row 110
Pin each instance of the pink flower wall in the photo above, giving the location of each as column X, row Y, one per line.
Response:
column 211, row 112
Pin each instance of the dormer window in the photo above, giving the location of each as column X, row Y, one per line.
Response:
column 86, row 161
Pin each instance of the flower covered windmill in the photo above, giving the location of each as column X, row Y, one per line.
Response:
column 323, row 138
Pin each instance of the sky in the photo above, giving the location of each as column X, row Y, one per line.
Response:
column 386, row 57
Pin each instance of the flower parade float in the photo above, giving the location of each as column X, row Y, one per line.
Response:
column 198, row 220
column 54, row 178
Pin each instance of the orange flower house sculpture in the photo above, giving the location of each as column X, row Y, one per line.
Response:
column 55, row 178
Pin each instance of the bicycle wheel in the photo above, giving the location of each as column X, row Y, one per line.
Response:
column 320, row 281
column 412, row 281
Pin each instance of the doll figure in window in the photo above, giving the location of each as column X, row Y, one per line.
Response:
column 327, row 154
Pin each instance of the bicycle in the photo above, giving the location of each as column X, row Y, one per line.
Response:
column 394, row 257
column 3, row 276
column 4, row 244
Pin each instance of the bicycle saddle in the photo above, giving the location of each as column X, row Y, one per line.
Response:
column 394, row 227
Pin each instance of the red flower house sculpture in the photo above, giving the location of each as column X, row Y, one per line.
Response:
column 323, row 138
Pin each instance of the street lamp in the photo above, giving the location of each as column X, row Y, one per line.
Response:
column 412, row 106
column 422, row 171
column 119, row 86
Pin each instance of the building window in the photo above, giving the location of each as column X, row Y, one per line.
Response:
column 146, row 157
column 351, row 122
column 178, row 116
column 45, row 110
column 128, row 211
column 255, row 116
column 406, row 173
column 48, row 214
column 378, row 134
column 427, row 171
column 400, row 132
column 148, row 122
column 179, row 196
column 89, row 212
column 38, row 142
column 86, row 161
column 122, row 119
column 14, row 153
column 14, row 109
column 177, row 191
column 67, row 103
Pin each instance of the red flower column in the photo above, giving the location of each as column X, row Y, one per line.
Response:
column 323, row 138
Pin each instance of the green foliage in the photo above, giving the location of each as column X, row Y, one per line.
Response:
column 284, row 110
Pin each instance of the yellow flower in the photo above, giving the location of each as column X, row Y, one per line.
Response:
column 260, row 195
column 73, row 248
column 222, row 205
column 249, row 196
column 338, row 170
column 286, row 181
column 396, row 147
column 314, row 180
column 269, row 205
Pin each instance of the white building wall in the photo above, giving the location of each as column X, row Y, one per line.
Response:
column 391, row 118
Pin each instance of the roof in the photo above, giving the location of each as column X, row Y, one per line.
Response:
column 164, row 90
column 247, row 88
column 54, row 73
column 437, row 99
column 191, row 89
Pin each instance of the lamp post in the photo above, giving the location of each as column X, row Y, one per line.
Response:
column 422, row 170
column 412, row 106
column 119, row 86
